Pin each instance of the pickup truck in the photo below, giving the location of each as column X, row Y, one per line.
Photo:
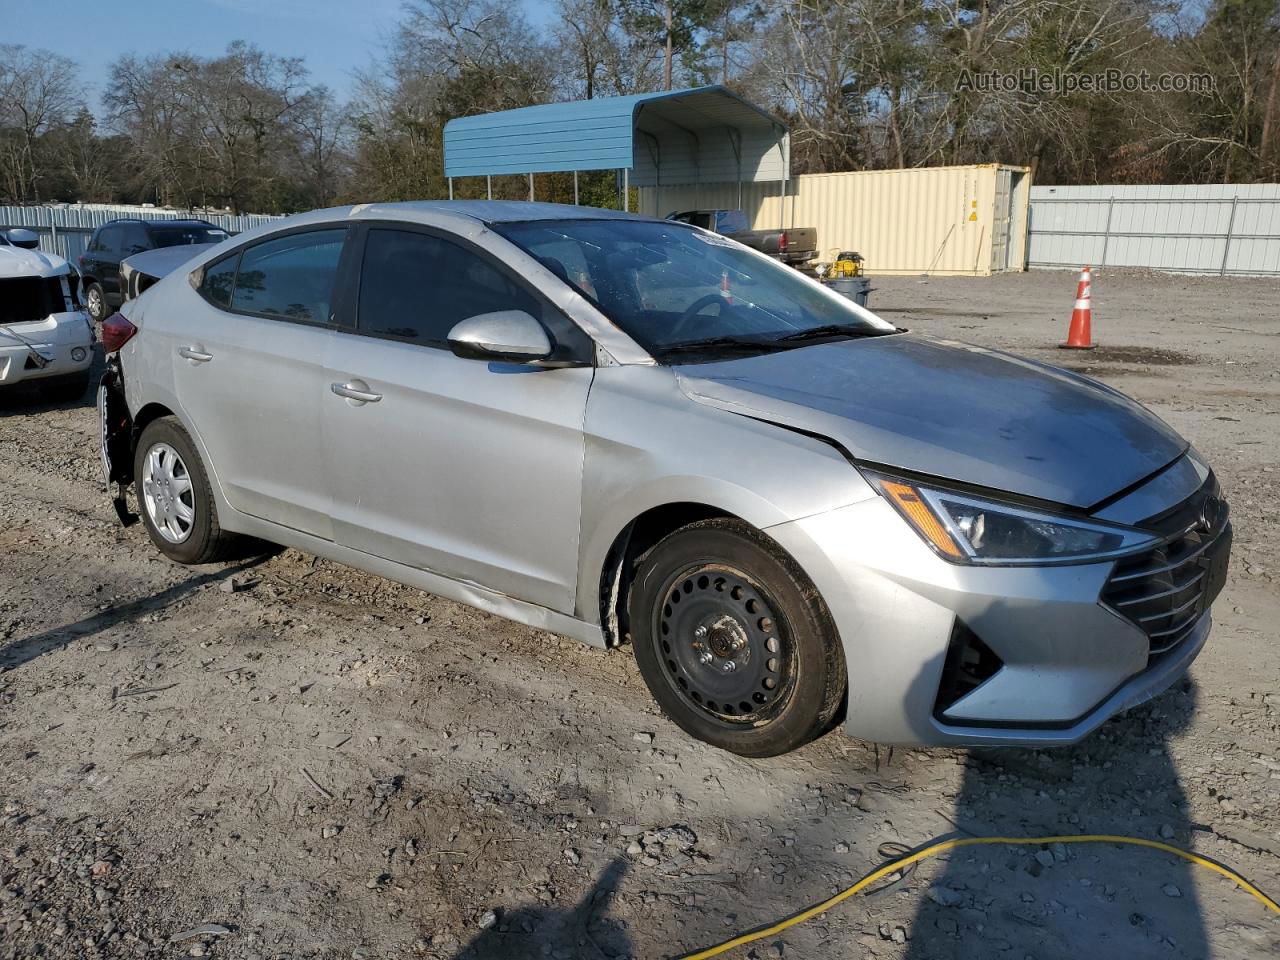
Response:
column 795, row 245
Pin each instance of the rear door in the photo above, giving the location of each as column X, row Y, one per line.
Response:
column 462, row 467
column 249, row 371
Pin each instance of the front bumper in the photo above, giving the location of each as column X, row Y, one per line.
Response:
column 59, row 338
column 1065, row 662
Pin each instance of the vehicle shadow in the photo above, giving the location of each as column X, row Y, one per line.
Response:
column 1081, row 899
column 25, row 649
column 533, row 933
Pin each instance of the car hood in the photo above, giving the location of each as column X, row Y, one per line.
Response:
column 21, row 262
column 950, row 410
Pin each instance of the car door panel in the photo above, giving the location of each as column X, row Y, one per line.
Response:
column 463, row 467
column 253, row 385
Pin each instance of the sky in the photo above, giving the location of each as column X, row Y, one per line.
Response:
column 335, row 38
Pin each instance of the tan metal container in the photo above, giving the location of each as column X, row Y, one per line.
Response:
column 939, row 220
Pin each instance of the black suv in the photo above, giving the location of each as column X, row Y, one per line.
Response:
column 117, row 239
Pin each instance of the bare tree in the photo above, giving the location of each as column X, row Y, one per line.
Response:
column 38, row 93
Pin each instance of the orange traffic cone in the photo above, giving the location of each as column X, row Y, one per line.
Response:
column 1080, row 334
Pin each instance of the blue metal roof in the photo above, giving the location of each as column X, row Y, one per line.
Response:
column 702, row 134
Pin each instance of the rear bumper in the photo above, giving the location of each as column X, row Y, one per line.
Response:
column 1064, row 663
column 65, row 340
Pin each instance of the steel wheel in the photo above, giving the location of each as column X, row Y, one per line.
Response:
column 725, row 650
column 167, row 493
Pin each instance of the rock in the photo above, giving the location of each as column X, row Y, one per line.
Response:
column 898, row 935
column 330, row 832
column 205, row 930
column 1166, row 832
column 634, row 849
column 642, row 737
column 573, row 856
column 945, row 896
column 1170, row 890
column 842, row 847
column 104, row 646
column 1045, row 858
column 487, row 919
column 229, row 585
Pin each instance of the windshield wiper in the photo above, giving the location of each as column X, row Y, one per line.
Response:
column 834, row 330
column 712, row 344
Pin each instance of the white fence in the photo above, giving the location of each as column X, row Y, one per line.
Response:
column 1221, row 229
column 65, row 230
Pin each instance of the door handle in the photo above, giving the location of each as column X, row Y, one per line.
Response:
column 356, row 390
column 194, row 355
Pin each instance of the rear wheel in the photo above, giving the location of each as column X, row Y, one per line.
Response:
column 733, row 640
column 175, row 497
column 95, row 301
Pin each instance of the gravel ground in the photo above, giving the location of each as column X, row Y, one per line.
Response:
column 287, row 758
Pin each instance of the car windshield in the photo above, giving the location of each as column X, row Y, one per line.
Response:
column 178, row 236
column 677, row 290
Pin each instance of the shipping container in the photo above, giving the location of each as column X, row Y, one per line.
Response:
column 937, row 220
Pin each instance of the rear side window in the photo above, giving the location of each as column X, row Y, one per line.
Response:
column 167, row 236
column 731, row 221
column 218, row 282
column 291, row 277
column 134, row 239
column 417, row 287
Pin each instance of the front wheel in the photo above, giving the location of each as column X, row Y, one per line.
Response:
column 733, row 640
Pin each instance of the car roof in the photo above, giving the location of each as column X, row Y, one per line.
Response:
column 162, row 222
column 490, row 211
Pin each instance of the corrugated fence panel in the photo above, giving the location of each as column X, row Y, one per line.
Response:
column 924, row 220
column 1212, row 228
column 66, row 230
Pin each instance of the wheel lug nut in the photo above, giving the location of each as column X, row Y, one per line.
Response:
column 700, row 632
column 729, row 666
column 706, row 656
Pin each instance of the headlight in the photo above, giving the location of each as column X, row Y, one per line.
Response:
column 967, row 529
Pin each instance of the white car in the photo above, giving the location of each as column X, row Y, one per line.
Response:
column 46, row 338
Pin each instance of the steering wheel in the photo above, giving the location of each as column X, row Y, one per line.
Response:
column 693, row 310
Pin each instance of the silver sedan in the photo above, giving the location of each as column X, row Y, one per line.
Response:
column 637, row 432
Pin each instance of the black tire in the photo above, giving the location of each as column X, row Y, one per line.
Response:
column 95, row 302
column 204, row 541
column 720, row 591
column 66, row 389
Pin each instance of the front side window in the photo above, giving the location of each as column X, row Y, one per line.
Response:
column 417, row 287
column 292, row 277
column 676, row 290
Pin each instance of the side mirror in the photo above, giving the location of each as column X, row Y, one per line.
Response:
column 27, row 239
column 506, row 336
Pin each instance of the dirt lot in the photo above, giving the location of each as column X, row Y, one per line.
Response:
column 321, row 763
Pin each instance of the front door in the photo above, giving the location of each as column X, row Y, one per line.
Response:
column 461, row 467
column 249, row 370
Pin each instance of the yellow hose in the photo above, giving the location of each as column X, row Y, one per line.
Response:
column 936, row 848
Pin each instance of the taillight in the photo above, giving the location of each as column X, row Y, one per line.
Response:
column 782, row 242
column 116, row 332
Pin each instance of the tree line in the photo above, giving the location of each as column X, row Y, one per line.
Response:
column 1083, row 91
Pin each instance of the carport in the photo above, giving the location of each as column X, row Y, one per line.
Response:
column 701, row 135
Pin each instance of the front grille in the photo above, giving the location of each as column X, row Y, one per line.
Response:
column 1165, row 590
